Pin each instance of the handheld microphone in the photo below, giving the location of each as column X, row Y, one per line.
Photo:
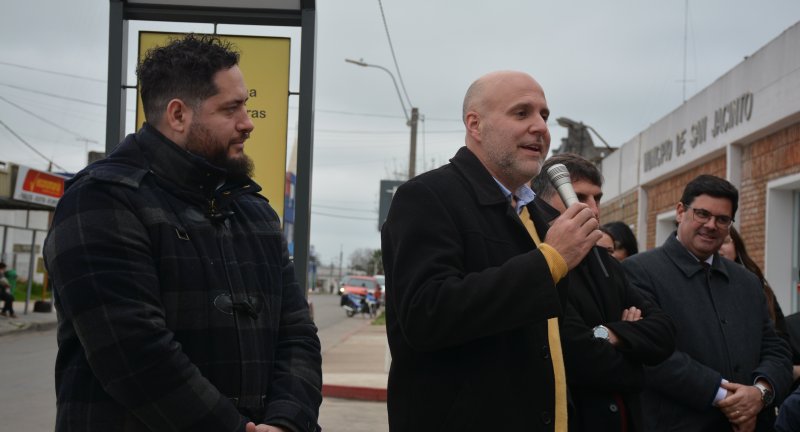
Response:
column 559, row 176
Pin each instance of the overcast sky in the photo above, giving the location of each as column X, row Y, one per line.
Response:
column 617, row 66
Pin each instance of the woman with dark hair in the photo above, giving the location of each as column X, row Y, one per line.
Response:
column 624, row 240
column 733, row 248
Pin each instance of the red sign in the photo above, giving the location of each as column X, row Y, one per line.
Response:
column 43, row 183
column 38, row 187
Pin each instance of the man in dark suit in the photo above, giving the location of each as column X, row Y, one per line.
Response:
column 729, row 365
column 473, row 276
column 613, row 331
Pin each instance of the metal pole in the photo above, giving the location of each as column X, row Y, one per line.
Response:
column 305, row 147
column 117, row 70
column 412, row 154
column 30, row 271
column 5, row 240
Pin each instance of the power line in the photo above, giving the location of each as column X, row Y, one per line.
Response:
column 359, row 114
column 383, row 132
column 394, row 57
column 54, row 95
column 32, row 147
column 42, row 118
column 52, row 72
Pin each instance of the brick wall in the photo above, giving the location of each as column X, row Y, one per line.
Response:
column 769, row 158
column 622, row 208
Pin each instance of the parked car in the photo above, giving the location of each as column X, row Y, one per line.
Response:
column 361, row 285
column 382, row 282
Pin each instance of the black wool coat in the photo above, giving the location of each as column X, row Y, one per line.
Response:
column 468, row 296
column 605, row 382
column 723, row 331
column 177, row 303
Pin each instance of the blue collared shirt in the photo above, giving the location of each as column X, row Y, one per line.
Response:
column 524, row 194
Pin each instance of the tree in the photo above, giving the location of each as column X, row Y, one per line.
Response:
column 367, row 260
column 360, row 260
column 377, row 262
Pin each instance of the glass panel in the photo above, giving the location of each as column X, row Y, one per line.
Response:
column 796, row 252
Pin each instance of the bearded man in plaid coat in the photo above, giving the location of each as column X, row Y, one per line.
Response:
column 177, row 302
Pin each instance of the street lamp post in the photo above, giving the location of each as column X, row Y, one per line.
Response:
column 410, row 121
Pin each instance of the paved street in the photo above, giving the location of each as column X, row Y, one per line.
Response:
column 27, row 400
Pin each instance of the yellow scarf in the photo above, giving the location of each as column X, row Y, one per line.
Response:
column 554, row 340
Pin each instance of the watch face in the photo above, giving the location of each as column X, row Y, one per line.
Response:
column 768, row 397
column 600, row 332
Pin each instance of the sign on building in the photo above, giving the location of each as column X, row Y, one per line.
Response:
column 38, row 187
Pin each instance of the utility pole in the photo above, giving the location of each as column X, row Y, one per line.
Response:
column 340, row 262
column 412, row 155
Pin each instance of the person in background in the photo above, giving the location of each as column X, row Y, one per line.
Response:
column 734, row 249
column 475, row 279
column 178, row 308
column 6, row 293
column 729, row 366
column 614, row 331
column 625, row 244
column 606, row 242
column 11, row 275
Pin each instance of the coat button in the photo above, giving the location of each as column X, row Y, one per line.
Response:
column 723, row 321
column 545, row 351
column 613, row 408
column 546, row 417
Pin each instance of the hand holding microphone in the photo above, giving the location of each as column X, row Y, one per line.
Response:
column 575, row 232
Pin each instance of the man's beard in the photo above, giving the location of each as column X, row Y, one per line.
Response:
column 201, row 143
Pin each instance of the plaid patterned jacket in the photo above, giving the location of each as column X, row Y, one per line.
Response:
column 177, row 302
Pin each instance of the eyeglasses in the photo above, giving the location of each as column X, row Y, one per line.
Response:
column 703, row 216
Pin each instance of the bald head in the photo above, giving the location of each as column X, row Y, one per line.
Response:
column 481, row 91
column 505, row 114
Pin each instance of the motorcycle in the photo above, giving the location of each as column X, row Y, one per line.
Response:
column 364, row 304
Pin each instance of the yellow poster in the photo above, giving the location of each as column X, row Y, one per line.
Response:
column 264, row 62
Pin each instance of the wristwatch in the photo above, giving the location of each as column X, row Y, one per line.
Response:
column 767, row 396
column 600, row 332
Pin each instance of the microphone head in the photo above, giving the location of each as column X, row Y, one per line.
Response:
column 558, row 175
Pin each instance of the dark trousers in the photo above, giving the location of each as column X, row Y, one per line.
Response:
column 8, row 306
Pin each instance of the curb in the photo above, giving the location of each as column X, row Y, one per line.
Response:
column 29, row 326
column 353, row 392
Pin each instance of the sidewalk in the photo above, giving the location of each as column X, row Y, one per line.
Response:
column 30, row 321
column 355, row 367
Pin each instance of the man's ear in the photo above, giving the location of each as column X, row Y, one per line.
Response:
column 680, row 210
column 178, row 116
column 472, row 121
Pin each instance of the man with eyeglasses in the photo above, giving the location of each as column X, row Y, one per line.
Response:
column 729, row 367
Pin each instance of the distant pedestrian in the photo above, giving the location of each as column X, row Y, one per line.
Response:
column 11, row 275
column 6, row 293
